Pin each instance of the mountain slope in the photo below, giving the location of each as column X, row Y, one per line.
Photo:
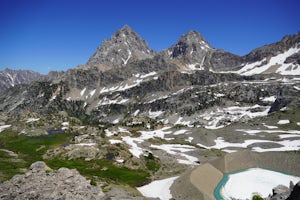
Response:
column 281, row 57
column 148, row 82
column 10, row 78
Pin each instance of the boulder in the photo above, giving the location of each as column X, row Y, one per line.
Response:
column 43, row 183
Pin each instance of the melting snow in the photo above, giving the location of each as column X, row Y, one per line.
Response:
column 283, row 121
column 3, row 127
column 136, row 112
column 158, row 189
column 52, row 98
column 196, row 66
column 287, row 145
column 231, row 114
column 189, row 139
column 269, row 99
column 109, row 133
column 145, row 135
column 179, row 132
column 92, row 92
column 180, row 150
column 32, row 120
column 115, row 141
column 270, row 127
column 155, row 114
column 181, row 122
column 65, row 124
column 277, row 60
column 134, row 149
column 284, row 136
column 251, row 131
column 86, row 144
column 82, row 92
column 106, row 101
column 129, row 56
column 11, row 79
column 297, row 88
column 147, row 75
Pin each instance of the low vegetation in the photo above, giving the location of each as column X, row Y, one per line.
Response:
column 31, row 149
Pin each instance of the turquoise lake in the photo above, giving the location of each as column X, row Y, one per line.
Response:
column 217, row 191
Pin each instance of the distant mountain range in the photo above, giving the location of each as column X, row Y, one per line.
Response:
column 10, row 78
column 124, row 77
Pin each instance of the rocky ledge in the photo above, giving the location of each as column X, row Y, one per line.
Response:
column 41, row 182
column 283, row 192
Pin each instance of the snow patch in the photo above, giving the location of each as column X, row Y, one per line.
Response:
column 180, row 151
column 106, row 101
column 179, row 132
column 134, row 149
column 232, row 114
column 181, row 122
column 287, row 145
column 269, row 99
column 82, row 92
column 92, row 92
column 270, row 127
column 278, row 61
column 3, row 127
column 155, row 114
column 129, row 56
column 136, row 113
column 29, row 120
column 115, row 141
column 158, row 189
column 297, row 88
column 86, row 144
column 283, row 121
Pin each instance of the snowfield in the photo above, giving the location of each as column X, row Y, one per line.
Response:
column 275, row 61
column 2, row 128
column 242, row 185
column 283, row 121
column 286, row 145
column 158, row 189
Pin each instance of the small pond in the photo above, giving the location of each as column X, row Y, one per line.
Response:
column 243, row 184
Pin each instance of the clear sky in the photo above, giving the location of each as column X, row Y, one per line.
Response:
column 44, row 35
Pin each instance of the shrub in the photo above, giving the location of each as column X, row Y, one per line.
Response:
column 257, row 197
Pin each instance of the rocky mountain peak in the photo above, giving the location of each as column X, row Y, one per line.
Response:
column 193, row 37
column 191, row 49
column 123, row 47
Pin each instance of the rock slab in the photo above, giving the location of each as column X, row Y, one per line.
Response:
column 40, row 182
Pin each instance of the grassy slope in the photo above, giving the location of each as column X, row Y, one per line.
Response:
column 31, row 149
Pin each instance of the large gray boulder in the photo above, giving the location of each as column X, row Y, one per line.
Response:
column 40, row 182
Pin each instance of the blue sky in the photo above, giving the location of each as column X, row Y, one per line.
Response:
column 43, row 35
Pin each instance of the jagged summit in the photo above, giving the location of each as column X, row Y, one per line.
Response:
column 191, row 50
column 123, row 47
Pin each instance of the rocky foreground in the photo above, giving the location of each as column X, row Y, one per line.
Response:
column 40, row 182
